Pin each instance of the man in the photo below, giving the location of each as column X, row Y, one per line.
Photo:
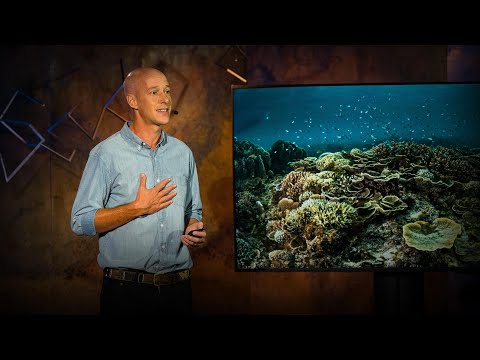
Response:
column 140, row 193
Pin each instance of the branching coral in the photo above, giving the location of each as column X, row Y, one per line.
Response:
column 323, row 213
column 292, row 184
column 332, row 162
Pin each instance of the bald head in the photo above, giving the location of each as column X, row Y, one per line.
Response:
column 138, row 77
column 142, row 83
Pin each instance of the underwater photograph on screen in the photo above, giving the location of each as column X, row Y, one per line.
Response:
column 357, row 177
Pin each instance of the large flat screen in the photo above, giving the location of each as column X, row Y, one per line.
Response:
column 357, row 177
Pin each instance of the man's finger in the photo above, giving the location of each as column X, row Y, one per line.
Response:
column 143, row 180
column 162, row 184
column 191, row 233
column 169, row 196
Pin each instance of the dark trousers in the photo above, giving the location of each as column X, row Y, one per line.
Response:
column 120, row 297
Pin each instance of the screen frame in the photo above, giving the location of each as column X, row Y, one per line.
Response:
column 237, row 87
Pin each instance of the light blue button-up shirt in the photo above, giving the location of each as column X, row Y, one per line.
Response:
column 111, row 178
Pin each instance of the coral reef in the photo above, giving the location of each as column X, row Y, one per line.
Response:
column 283, row 153
column 439, row 234
column 397, row 204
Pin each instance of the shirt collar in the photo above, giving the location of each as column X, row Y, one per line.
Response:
column 129, row 135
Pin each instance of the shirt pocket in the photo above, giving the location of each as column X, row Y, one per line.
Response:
column 181, row 198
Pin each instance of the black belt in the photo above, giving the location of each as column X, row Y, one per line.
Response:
column 147, row 278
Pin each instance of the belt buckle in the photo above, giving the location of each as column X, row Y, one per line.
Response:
column 164, row 279
column 184, row 275
column 141, row 277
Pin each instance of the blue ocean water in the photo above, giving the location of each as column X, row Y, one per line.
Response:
column 336, row 117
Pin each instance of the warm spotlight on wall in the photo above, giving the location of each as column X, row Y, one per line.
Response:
column 234, row 62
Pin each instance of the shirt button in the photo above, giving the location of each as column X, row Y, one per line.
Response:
column 158, row 180
column 161, row 225
column 163, row 246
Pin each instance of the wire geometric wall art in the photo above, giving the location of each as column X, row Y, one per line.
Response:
column 9, row 123
column 70, row 116
column 50, row 132
column 8, row 177
column 106, row 107
column 234, row 62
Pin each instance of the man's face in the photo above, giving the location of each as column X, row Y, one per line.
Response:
column 154, row 99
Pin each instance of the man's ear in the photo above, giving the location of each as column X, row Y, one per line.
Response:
column 131, row 101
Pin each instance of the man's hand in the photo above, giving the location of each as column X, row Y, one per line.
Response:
column 149, row 201
column 194, row 236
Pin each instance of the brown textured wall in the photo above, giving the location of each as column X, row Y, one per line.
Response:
column 47, row 269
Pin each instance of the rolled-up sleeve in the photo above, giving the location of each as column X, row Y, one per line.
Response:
column 91, row 196
column 194, row 208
